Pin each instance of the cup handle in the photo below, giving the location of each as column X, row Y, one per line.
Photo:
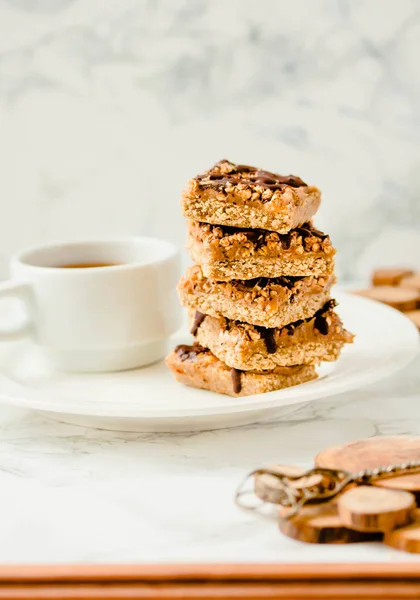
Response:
column 16, row 289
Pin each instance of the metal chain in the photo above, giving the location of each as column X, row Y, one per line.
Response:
column 333, row 481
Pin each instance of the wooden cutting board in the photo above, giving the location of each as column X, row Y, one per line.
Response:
column 406, row 538
column 375, row 452
column 320, row 524
column 385, row 510
column 370, row 508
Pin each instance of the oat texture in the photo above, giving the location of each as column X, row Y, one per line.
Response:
column 265, row 302
column 201, row 369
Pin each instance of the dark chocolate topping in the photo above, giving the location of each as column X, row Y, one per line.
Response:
column 267, row 335
column 262, row 282
column 236, row 380
column 198, row 319
column 320, row 323
column 307, row 230
column 233, row 174
column 321, row 320
column 186, row 352
column 330, row 304
column 290, row 327
column 259, row 236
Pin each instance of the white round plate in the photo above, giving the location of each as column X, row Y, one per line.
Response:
column 149, row 399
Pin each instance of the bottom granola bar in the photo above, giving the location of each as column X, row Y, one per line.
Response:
column 197, row 367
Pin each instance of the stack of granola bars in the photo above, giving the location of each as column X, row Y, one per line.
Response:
column 259, row 292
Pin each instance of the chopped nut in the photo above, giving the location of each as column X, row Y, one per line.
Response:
column 267, row 194
column 242, row 238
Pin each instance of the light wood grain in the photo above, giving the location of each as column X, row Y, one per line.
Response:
column 412, row 281
column 389, row 276
column 406, row 538
column 320, row 524
column 368, row 508
column 204, row 581
column 371, row 453
column 401, row 298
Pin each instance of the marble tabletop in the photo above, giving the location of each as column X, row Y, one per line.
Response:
column 71, row 494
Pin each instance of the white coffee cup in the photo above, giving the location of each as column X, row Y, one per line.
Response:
column 104, row 318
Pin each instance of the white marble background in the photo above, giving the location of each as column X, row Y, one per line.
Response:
column 108, row 106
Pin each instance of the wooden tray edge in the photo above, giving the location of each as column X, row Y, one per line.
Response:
column 204, row 581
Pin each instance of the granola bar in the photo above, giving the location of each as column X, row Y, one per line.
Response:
column 226, row 253
column 244, row 196
column 197, row 367
column 265, row 302
column 249, row 347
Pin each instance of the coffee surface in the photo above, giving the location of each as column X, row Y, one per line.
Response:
column 88, row 265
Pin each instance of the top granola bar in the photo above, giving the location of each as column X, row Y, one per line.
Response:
column 248, row 197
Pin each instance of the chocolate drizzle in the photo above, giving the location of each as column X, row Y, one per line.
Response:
column 329, row 305
column 186, row 352
column 232, row 174
column 198, row 319
column 235, row 375
column 290, row 328
column 307, row 230
column 262, row 282
column 267, row 335
column 260, row 237
column 320, row 323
